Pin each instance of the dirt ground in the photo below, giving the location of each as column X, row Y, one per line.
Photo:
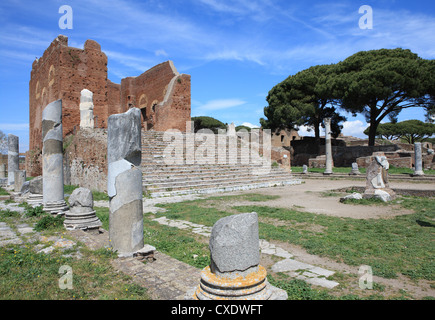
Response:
column 308, row 197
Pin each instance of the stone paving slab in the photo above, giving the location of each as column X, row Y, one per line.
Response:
column 166, row 278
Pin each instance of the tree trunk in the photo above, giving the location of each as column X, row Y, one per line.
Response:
column 372, row 132
column 317, row 131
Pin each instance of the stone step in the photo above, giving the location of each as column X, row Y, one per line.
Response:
column 198, row 180
column 209, row 174
column 198, row 166
column 229, row 188
column 211, row 183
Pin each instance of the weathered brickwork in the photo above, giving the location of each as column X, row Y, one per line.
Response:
column 162, row 94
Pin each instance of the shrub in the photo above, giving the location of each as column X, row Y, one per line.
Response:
column 49, row 222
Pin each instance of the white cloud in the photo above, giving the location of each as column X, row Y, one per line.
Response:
column 249, row 125
column 161, row 52
column 354, row 128
column 305, row 131
column 220, row 104
column 134, row 62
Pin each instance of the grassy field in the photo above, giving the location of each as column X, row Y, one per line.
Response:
column 393, row 247
column 396, row 247
column 26, row 274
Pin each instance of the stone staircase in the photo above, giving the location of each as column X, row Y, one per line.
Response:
column 167, row 174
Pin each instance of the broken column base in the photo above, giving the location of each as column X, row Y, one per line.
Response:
column 252, row 286
column 57, row 207
column 35, row 200
column 86, row 221
column 385, row 194
column 145, row 253
column 417, row 174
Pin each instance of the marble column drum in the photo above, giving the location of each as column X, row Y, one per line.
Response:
column 19, row 179
column 52, row 159
column 235, row 272
column 328, row 146
column 13, row 157
column 2, row 171
column 124, row 182
column 418, row 162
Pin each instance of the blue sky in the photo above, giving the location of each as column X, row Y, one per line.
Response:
column 235, row 51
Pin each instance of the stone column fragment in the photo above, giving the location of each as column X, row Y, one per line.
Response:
column 124, row 182
column 377, row 185
column 355, row 170
column 328, row 147
column 35, row 197
column 235, row 272
column 2, row 171
column 81, row 214
column 86, row 109
column 418, row 162
column 52, row 159
column 13, row 157
column 19, row 179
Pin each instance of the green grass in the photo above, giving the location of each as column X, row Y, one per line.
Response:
column 28, row 275
column 399, row 245
column 179, row 244
column 403, row 244
column 97, row 195
column 3, row 192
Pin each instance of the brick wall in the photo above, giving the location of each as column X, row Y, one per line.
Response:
column 162, row 94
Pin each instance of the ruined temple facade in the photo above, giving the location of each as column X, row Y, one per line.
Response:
column 161, row 93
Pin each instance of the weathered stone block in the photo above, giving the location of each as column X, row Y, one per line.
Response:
column 234, row 243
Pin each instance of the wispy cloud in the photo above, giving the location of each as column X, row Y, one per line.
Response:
column 14, row 127
column 221, row 104
column 135, row 62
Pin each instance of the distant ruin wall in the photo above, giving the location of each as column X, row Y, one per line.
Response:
column 162, row 94
column 85, row 159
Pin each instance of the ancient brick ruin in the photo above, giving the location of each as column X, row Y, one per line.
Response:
column 161, row 93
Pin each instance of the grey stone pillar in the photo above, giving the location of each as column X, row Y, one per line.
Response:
column 52, row 159
column 19, row 179
column 418, row 160
column 86, row 109
column 328, row 146
column 2, row 171
column 124, row 182
column 355, row 170
column 13, row 157
column 35, row 197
